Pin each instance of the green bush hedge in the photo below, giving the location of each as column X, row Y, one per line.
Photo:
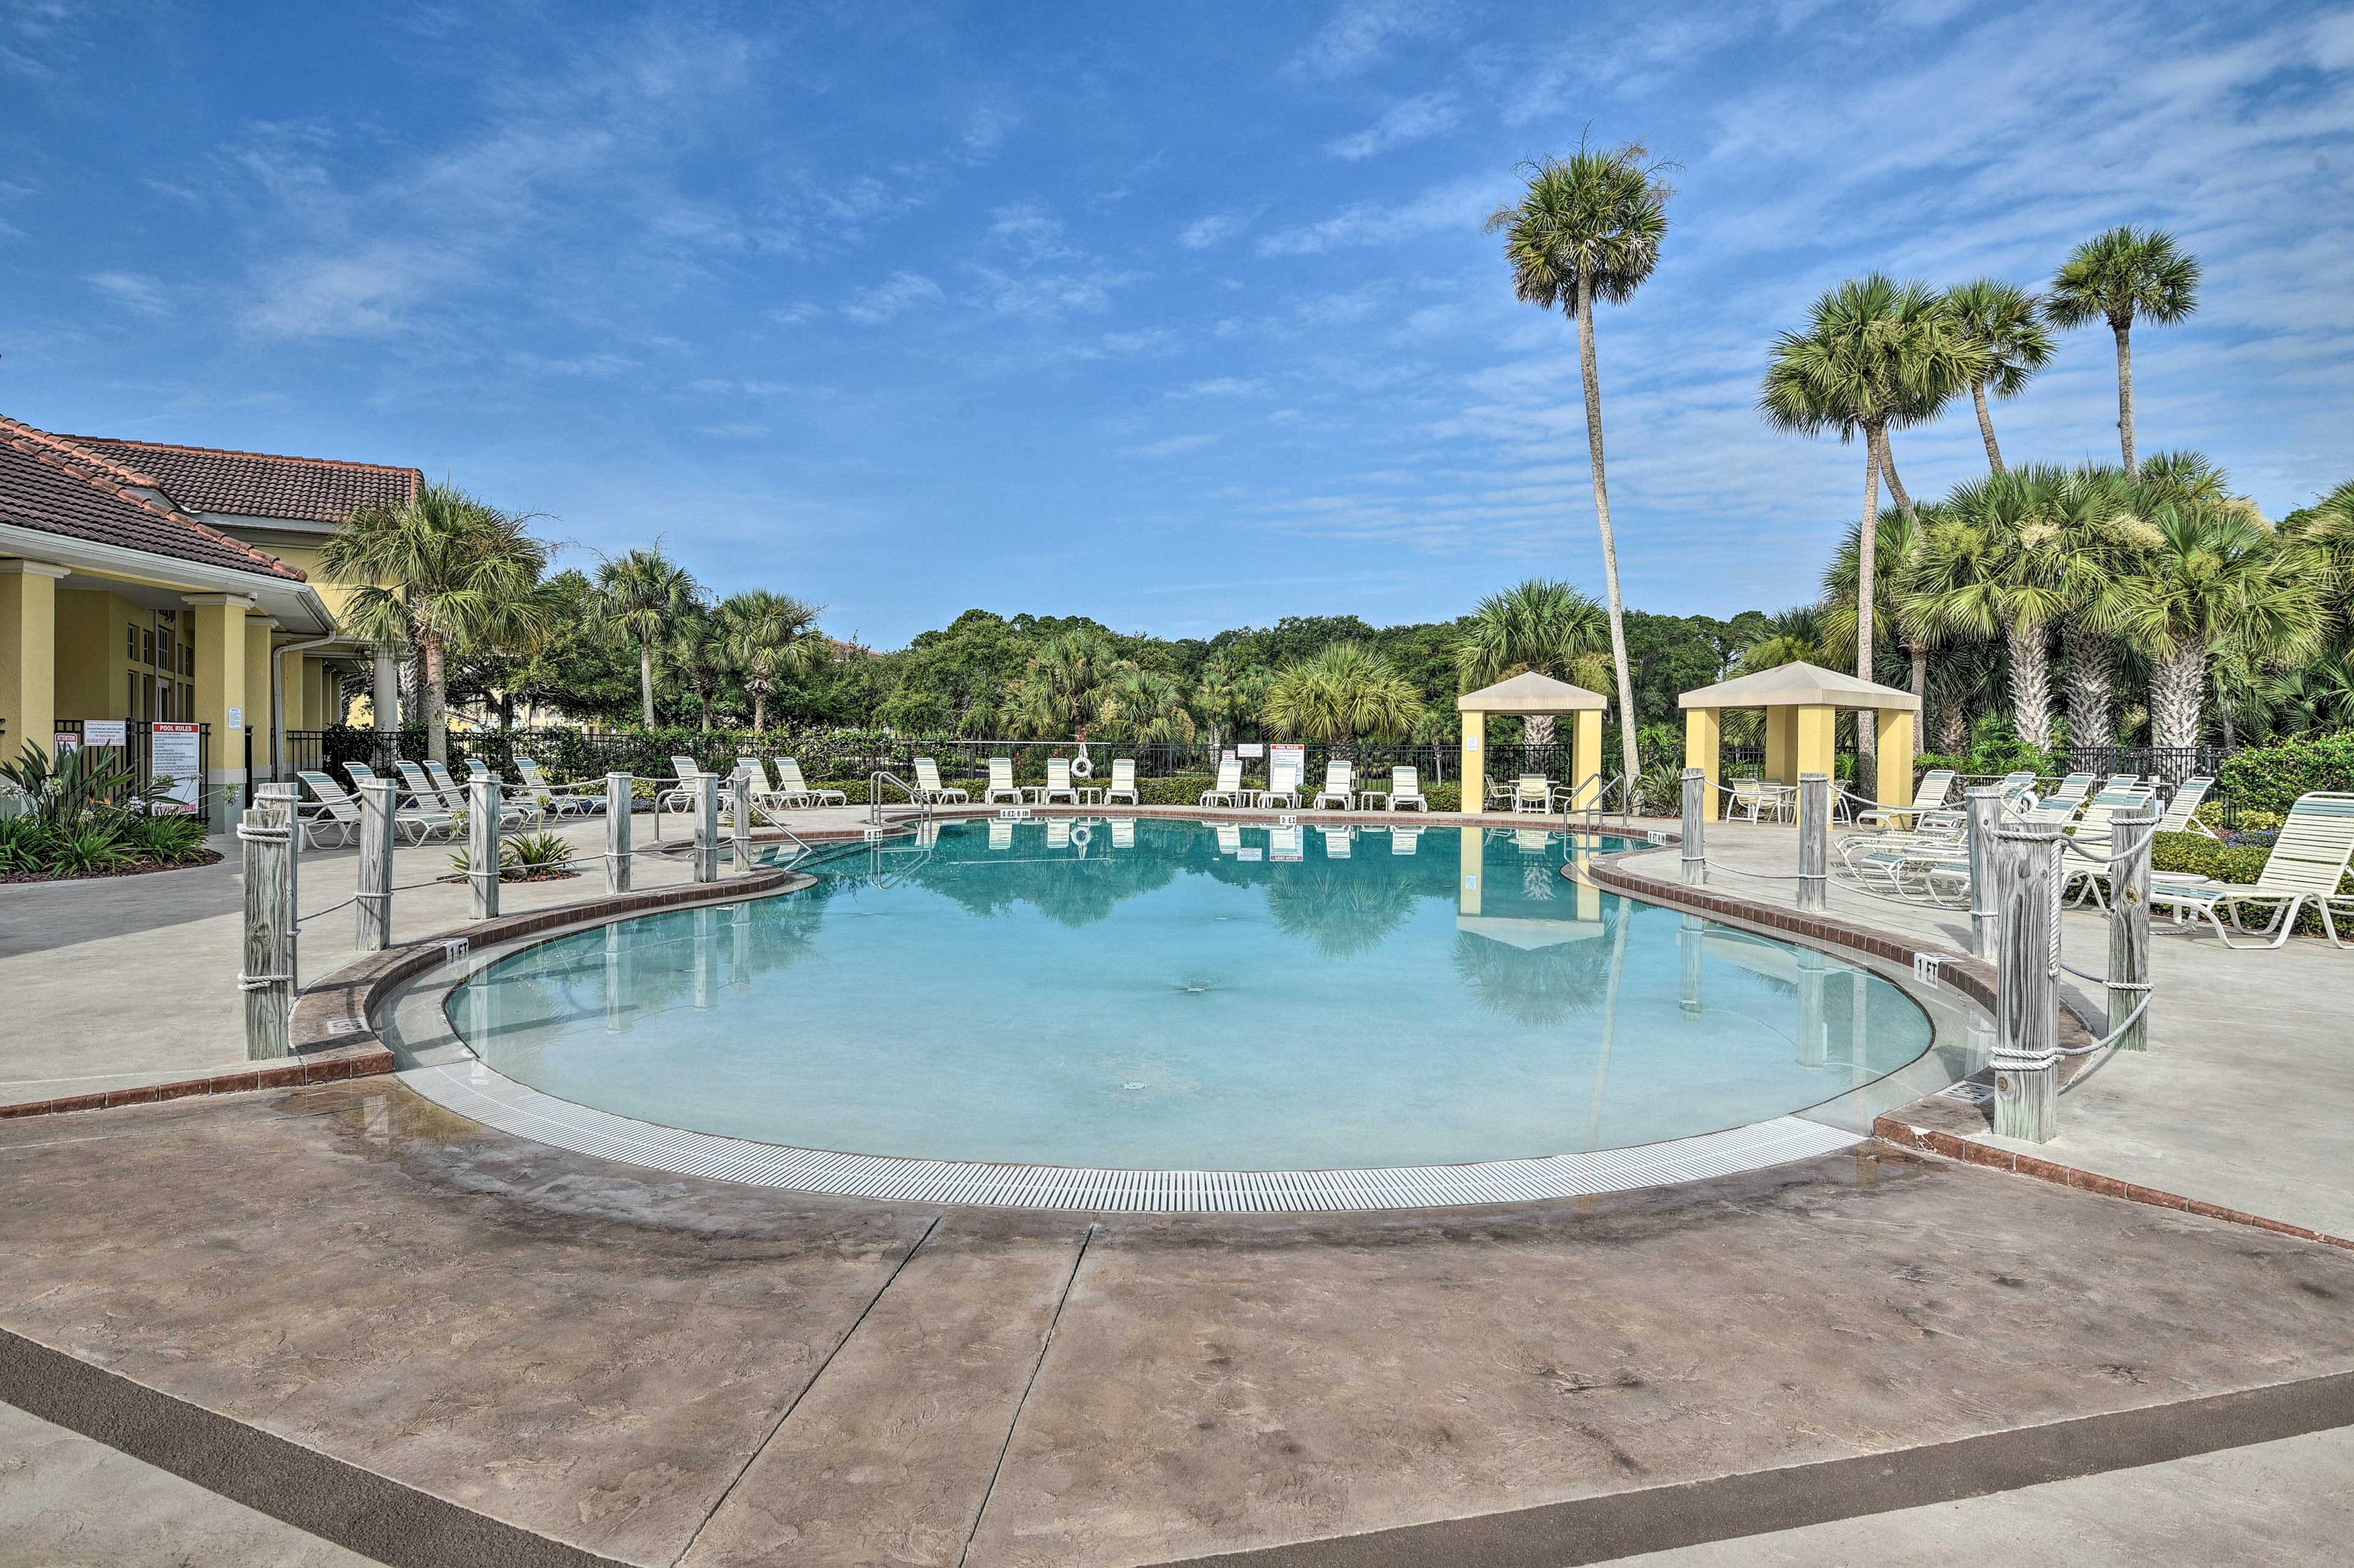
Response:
column 2200, row 855
column 2271, row 777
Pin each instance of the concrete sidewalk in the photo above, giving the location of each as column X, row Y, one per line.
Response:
column 2245, row 1093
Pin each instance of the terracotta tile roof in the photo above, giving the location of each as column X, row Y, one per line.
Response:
column 260, row 484
column 56, row 485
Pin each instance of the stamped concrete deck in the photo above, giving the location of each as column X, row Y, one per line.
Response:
column 659, row 1370
column 2244, row 1094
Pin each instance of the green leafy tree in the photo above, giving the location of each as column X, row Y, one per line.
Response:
column 2006, row 323
column 769, row 639
column 1876, row 353
column 697, row 652
column 1589, row 227
column 2124, row 276
column 1225, row 695
column 1539, row 625
column 442, row 572
column 1343, row 691
column 1899, row 536
column 641, row 596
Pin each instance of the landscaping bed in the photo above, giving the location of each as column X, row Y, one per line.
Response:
column 136, row 868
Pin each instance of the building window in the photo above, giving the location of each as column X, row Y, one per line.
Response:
column 131, row 696
column 187, row 660
column 130, row 644
column 147, row 648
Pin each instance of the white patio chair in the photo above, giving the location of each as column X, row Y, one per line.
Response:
column 425, row 815
column 929, row 788
column 2182, row 812
column 1531, row 793
column 511, row 809
column 1340, row 784
column 2307, row 865
column 1228, row 790
column 562, row 801
column 1930, row 795
column 1058, row 782
column 1282, row 785
column 1123, row 784
column 796, row 790
column 1405, row 790
column 332, row 811
column 1001, row 786
column 680, row 797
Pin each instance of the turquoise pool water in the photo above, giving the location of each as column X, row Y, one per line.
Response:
column 1175, row 995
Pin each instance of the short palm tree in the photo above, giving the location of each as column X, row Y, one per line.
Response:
column 1876, row 353
column 1794, row 636
column 2214, row 579
column 1539, row 625
column 639, row 596
column 1057, row 693
column 2324, row 532
column 1588, row 226
column 1144, row 705
column 2121, row 276
column 770, row 641
column 1998, row 564
column 2006, row 322
column 1343, row 691
column 1226, row 693
column 440, row 572
column 697, row 650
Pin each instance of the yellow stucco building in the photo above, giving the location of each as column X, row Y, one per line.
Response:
column 143, row 584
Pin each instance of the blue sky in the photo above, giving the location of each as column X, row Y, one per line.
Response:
column 1180, row 317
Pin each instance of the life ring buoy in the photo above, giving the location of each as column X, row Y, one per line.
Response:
column 1081, row 767
column 1082, row 836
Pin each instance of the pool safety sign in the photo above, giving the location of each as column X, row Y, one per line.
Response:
column 106, row 732
column 175, row 768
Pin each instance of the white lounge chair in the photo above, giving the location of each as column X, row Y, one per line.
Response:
column 1282, row 785
column 796, row 790
column 1405, row 792
column 1001, row 786
column 930, row 790
column 680, row 797
column 1123, row 785
column 415, row 823
column 1931, row 794
column 511, row 810
column 422, row 817
column 1533, row 792
column 1340, row 784
column 1228, row 790
column 2307, row 865
column 332, row 811
column 2074, row 788
column 562, row 801
column 2182, row 812
column 765, row 795
column 1058, row 782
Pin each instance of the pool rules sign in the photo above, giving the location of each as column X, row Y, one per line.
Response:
column 175, row 768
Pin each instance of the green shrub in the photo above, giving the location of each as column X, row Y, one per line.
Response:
column 167, row 841
column 24, row 846
column 97, row 846
column 2270, row 778
column 2199, row 855
column 2255, row 821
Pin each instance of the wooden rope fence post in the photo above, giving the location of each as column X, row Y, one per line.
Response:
column 266, row 976
column 1695, row 813
column 2027, row 1014
column 620, row 800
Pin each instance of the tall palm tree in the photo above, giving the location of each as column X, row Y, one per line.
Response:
column 2099, row 510
column 769, row 639
column 2119, row 277
column 440, row 572
column 1147, row 705
column 1057, row 693
column 2324, row 532
column 640, row 596
column 1998, row 564
column 2214, row 579
column 1343, row 691
column 1588, row 228
column 2006, row 323
column 1876, row 353
column 1539, row 625
column 1794, row 636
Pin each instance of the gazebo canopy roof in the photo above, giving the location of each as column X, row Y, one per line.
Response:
column 1529, row 692
column 1799, row 685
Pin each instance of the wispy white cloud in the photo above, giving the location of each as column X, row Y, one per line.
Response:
column 1414, row 119
column 900, row 292
column 1172, row 445
column 1361, row 31
column 1459, row 203
column 987, row 125
column 1204, row 233
column 1220, row 386
column 132, row 291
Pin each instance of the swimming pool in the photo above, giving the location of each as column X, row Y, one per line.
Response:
column 1161, row 995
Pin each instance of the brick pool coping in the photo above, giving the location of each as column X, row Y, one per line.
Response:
column 1907, row 1127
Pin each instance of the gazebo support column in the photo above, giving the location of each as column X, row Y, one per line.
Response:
column 1816, row 735
column 1782, row 745
column 1586, row 759
column 1894, row 730
column 1474, row 761
column 1703, row 729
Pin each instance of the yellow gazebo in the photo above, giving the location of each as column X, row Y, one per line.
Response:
column 1800, row 702
column 1531, row 694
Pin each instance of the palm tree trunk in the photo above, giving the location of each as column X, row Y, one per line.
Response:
column 1593, row 377
column 2177, row 683
column 1867, row 562
column 1536, row 729
column 437, row 702
column 646, row 678
column 2124, row 395
column 1895, row 485
column 2030, row 683
column 2091, row 689
column 1986, row 428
